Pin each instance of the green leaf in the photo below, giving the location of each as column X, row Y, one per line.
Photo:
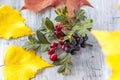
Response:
column 64, row 10
column 66, row 38
column 80, row 14
column 66, row 59
column 58, row 11
column 41, row 37
column 43, row 26
column 84, row 27
column 60, row 18
column 44, row 47
column 31, row 46
column 65, row 62
column 61, row 69
column 67, row 71
column 58, row 62
column 66, row 32
column 32, row 39
column 49, row 24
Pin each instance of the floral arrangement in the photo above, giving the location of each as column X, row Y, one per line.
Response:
column 60, row 41
column 64, row 38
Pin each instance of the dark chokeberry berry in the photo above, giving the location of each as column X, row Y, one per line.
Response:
column 74, row 43
column 51, row 51
column 67, row 43
column 85, row 38
column 73, row 52
column 84, row 45
column 53, row 45
column 68, row 50
column 53, row 57
column 77, row 39
column 75, row 35
column 77, row 48
column 81, row 40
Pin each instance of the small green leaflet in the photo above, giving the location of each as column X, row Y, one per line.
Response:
column 32, row 39
column 44, row 47
column 65, row 63
column 84, row 27
column 64, row 10
column 49, row 24
column 61, row 69
column 43, row 26
column 60, row 18
column 80, row 14
column 31, row 46
column 41, row 37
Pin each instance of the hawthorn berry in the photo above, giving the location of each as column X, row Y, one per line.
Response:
column 63, row 47
column 51, row 51
column 57, row 33
column 61, row 40
column 53, row 45
column 64, row 29
column 53, row 57
column 58, row 27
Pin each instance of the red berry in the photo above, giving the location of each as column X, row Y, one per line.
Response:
column 58, row 27
column 51, row 51
column 53, row 45
column 57, row 33
column 53, row 57
column 64, row 29
column 61, row 40
column 63, row 47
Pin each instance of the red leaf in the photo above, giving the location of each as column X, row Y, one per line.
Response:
column 38, row 5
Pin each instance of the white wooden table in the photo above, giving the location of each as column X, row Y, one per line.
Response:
column 85, row 67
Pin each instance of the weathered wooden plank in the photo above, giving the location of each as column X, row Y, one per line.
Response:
column 85, row 66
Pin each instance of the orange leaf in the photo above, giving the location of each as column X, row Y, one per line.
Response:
column 38, row 5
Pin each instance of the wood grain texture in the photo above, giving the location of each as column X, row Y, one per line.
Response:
column 85, row 67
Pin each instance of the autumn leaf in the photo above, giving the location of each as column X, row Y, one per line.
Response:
column 39, row 5
column 20, row 64
column 118, row 5
column 110, row 43
column 12, row 24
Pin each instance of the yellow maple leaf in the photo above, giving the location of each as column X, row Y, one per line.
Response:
column 117, row 5
column 110, row 44
column 20, row 64
column 12, row 24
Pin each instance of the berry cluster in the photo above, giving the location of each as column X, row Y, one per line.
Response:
column 67, row 45
column 51, row 51
column 57, row 29
column 53, row 46
column 76, row 43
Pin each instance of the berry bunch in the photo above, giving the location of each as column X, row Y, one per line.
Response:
column 53, row 46
column 70, row 35
column 51, row 51
column 67, row 45
column 76, row 43
column 57, row 29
